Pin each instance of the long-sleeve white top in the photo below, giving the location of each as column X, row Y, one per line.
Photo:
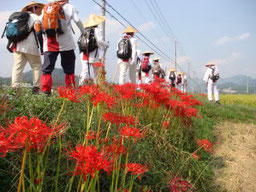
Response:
column 133, row 59
column 29, row 44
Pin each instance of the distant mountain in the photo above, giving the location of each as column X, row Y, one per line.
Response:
column 57, row 76
column 234, row 84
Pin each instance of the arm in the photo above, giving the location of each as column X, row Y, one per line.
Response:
column 76, row 19
column 134, row 55
column 99, row 37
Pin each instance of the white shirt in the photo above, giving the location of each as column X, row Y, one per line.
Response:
column 208, row 73
column 65, row 41
column 133, row 59
column 29, row 44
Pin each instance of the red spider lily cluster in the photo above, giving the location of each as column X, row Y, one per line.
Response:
column 136, row 169
column 117, row 119
column 131, row 132
column 89, row 161
column 69, row 93
column 30, row 133
column 205, row 144
column 178, row 184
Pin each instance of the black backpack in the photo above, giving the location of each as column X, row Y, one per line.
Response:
column 214, row 76
column 17, row 28
column 172, row 76
column 87, row 42
column 124, row 50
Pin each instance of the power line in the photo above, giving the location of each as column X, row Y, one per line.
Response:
column 155, row 31
column 166, row 57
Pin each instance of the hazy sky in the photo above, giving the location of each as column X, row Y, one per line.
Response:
column 223, row 31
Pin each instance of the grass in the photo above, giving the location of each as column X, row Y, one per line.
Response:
column 167, row 152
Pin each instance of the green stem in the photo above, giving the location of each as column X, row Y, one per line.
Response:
column 30, row 173
column 58, row 165
column 22, row 169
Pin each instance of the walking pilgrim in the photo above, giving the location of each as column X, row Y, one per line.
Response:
column 211, row 77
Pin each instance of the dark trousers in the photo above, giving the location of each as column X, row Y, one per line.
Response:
column 67, row 61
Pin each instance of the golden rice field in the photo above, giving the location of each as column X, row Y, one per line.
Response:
column 246, row 100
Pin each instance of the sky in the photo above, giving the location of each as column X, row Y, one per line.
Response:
column 223, row 31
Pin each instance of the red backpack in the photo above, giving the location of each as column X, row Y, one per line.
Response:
column 145, row 67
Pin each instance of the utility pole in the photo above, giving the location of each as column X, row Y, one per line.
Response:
column 175, row 54
column 103, row 9
column 188, row 75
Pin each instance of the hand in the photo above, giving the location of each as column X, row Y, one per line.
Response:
column 206, row 84
column 107, row 45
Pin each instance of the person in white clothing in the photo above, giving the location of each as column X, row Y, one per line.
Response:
column 172, row 77
column 27, row 50
column 96, row 52
column 210, row 78
column 58, row 39
column 145, row 72
column 179, row 81
column 184, row 83
column 127, row 57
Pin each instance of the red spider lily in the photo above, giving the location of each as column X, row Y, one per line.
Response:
column 166, row 124
column 205, row 144
column 177, row 184
column 114, row 150
column 91, row 135
column 98, row 65
column 32, row 133
column 136, row 169
column 103, row 98
column 118, row 119
column 89, row 161
column 69, row 93
column 131, row 132
column 90, row 90
column 195, row 156
column 4, row 105
column 126, row 91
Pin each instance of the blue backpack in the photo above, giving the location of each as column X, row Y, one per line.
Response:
column 17, row 28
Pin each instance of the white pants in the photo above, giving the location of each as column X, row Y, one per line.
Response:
column 179, row 87
column 212, row 87
column 184, row 88
column 20, row 61
column 85, row 72
column 125, row 67
column 144, row 79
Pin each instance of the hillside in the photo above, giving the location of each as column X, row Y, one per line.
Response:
column 58, row 78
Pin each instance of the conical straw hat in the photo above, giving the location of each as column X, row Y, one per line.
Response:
column 148, row 52
column 130, row 29
column 94, row 20
column 156, row 59
column 172, row 69
column 33, row 3
column 180, row 73
column 210, row 64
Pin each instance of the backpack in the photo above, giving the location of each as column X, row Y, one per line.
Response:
column 17, row 28
column 178, row 79
column 172, row 76
column 124, row 50
column 145, row 67
column 87, row 42
column 156, row 70
column 214, row 76
column 53, row 14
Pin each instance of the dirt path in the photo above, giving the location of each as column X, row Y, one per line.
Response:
column 236, row 157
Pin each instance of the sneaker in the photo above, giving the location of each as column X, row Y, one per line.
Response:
column 46, row 93
column 35, row 90
column 218, row 102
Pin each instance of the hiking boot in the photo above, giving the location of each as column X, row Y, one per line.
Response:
column 218, row 102
column 35, row 90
